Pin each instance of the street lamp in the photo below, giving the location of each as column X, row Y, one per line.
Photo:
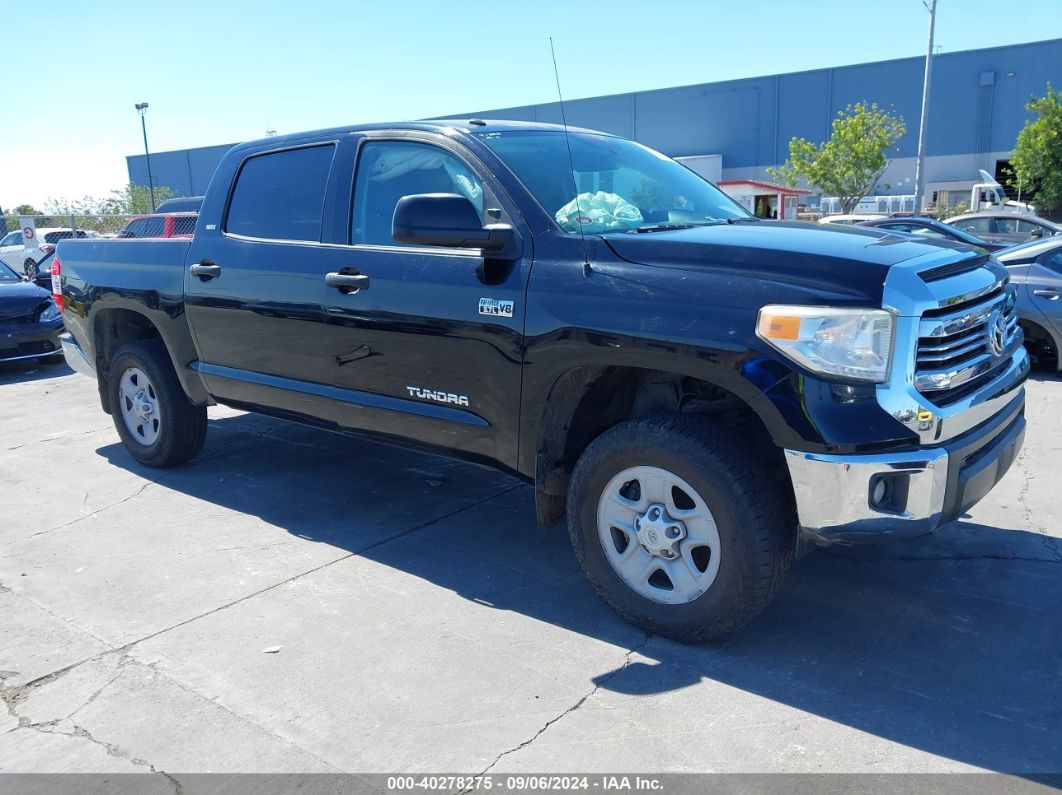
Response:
column 141, row 108
column 920, row 177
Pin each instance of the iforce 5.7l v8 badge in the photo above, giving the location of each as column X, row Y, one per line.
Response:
column 492, row 306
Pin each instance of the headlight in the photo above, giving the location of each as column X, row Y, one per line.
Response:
column 850, row 343
column 50, row 314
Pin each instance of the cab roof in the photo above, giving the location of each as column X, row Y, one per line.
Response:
column 470, row 126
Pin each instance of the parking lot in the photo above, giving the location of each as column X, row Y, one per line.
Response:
column 300, row 601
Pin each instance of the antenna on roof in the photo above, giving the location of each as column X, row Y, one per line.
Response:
column 571, row 160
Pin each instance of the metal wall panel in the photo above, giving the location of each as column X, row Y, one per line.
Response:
column 750, row 122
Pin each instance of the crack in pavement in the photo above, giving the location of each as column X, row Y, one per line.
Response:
column 72, row 522
column 1049, row 541
column 151, row 482
column 12, row 696
column 597, row 686
column 58, row 438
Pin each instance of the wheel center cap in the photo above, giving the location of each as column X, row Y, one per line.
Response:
column 142, row 406
column 658, row 532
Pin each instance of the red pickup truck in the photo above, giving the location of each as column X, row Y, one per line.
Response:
column 160, row 225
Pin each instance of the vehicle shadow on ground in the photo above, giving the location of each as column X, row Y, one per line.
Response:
column 31, row 370
column 950, row 644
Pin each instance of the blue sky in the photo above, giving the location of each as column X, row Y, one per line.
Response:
column 228, row 70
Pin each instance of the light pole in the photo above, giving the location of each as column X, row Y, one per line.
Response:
column 920, row 177
column 141, row 108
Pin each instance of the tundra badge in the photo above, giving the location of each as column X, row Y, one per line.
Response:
column 492, row 306
column 437, row 396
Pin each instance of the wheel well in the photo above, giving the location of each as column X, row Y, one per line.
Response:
column 1041, row 344
column 111, row 330
column 585, row 403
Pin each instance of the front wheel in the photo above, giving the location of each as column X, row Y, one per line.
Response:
column 677, row 529
column 30, row 266
column 159, row 426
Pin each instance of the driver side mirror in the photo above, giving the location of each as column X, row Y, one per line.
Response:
column 451, row 221
column 1037, row 232
column 43, row 279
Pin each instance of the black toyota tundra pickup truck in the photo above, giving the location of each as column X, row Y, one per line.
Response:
column 702, row 393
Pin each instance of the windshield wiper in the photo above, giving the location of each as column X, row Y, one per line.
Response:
column 748, row 220
column 665, row 227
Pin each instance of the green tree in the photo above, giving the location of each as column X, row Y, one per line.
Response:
column 136, row 199
column 1037, row 157
column 850, row 164
column 129, row 200
column 25, row 209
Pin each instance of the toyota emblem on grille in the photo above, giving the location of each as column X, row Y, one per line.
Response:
column 997, row 333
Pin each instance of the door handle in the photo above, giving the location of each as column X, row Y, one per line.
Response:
column 347, row 282
column 1050, row 294
column 205, row 270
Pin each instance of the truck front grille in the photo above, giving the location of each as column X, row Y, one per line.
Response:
column 965, row 345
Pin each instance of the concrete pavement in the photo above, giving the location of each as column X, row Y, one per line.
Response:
column 296, row 601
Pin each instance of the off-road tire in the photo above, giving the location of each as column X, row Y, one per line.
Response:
column 183, row 424
column 756, row 529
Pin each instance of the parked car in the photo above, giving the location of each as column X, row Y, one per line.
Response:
column 16, row 256
column 181, row 204
column 696, row 388
column 1003, row 227
column 849, row 219
column 160, row 225
column 930, row 227
column 1036, row 270
column 30, row 321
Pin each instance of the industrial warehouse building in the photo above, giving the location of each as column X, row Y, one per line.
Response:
column 733, row 131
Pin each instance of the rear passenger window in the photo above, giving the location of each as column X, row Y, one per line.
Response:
column 183, row 225
column 280, row 195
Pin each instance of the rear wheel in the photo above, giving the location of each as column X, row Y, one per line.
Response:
column 1041, row 346
column 159, row 426
column 677, row 529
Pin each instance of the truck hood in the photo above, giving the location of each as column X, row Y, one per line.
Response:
column 836, row 261
column 21, row 298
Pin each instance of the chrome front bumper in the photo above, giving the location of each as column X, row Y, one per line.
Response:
column 75, row 357
column 919, row 491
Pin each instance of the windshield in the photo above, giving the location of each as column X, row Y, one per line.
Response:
column 963, row 235
column 8, row 275
column 622, row 185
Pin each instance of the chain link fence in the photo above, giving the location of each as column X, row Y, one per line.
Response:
column 24, row 252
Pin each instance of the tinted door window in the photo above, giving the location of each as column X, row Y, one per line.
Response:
column 1031, row 228
column 389, row 170
column 13, row 239
column 1053, row 261
column 975, row 225
column 280, row 195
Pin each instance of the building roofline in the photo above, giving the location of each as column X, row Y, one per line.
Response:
column 777, row 75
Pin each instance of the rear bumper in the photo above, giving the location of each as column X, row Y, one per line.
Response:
column 75, row 357
column 868, row 498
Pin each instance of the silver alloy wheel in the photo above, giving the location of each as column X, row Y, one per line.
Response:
column 658, row 534
column 139, row 406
